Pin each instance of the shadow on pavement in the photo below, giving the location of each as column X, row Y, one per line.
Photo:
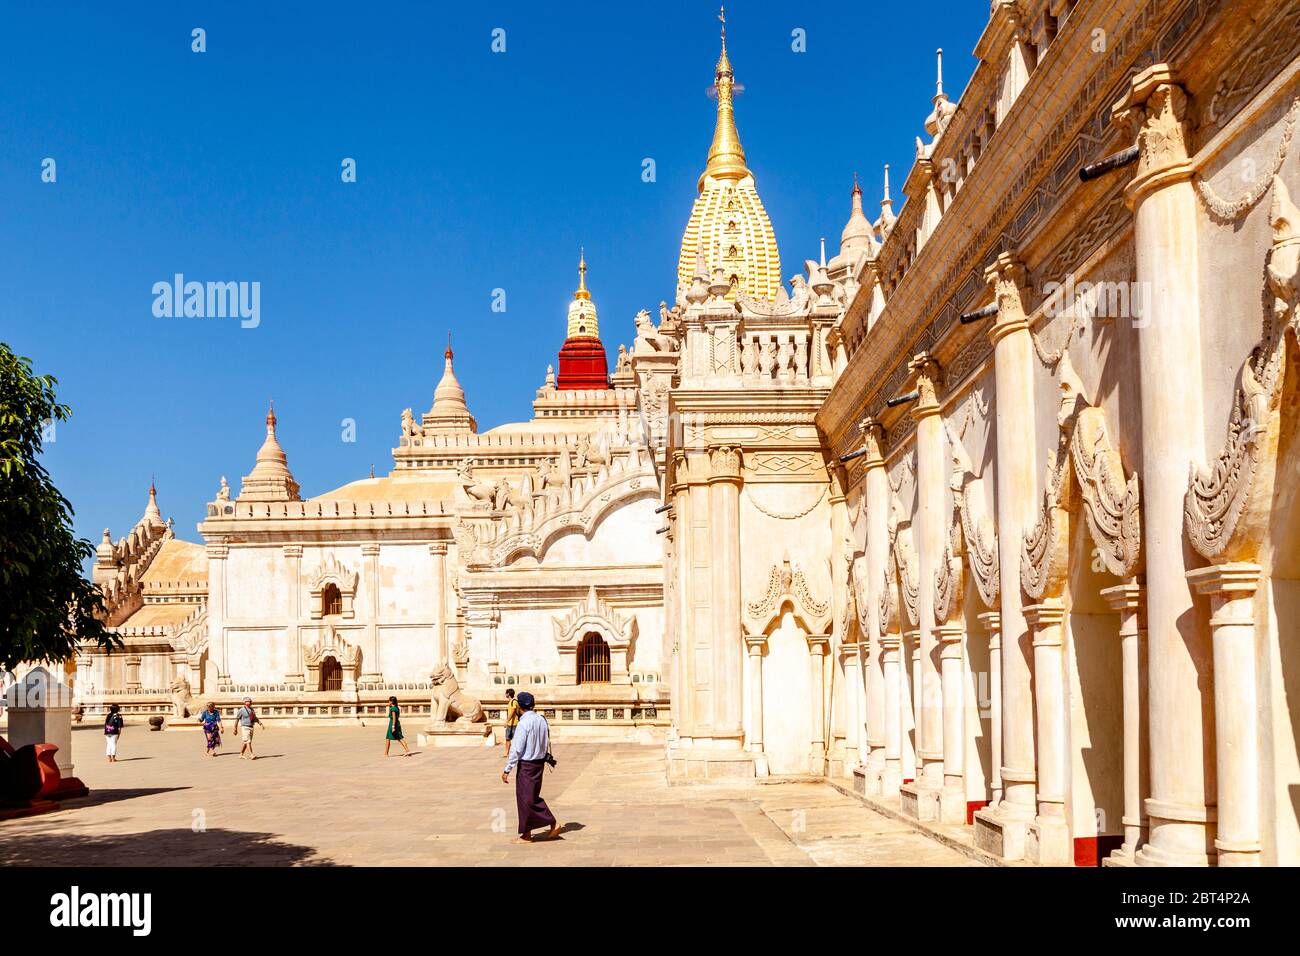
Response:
column 178, row 847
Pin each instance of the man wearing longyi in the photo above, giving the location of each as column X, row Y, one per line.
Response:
column 530, row 749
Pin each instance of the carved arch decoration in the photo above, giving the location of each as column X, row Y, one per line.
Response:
column 580, row 506
column 332, row 571
column 855, row 606
column 903, row 559
column 786, row 585
column 976, row 528
column 329, row 643
column 1086, row 469
column 1226, row 508
column 949, row 582
column 593, row 615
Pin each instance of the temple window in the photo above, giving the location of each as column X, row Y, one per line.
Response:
column 331, row 674
column 593, row 660
column 331, row 600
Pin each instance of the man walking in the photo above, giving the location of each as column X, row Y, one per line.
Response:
column 246, row 718
column 529, row 749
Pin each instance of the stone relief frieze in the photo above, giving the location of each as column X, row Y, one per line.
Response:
column 1227, row 503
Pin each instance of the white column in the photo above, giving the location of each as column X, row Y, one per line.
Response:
column 443, row 651
column 993, row 628
column 1049, row 834
column 1231, row 588
column 952, row 799
column 1181, row 806
column 370, row 673
column 818, row 646
column 724, row 523
column 852, row 723
column 891, row 777
column 930, row 537
column 755, row 644
column 876, row 504
column 293, row 557
column 217, row 552
column 1002, row 829
column 1127, row 600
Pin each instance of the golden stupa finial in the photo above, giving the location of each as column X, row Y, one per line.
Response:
column 726, row 155
column 582, row 292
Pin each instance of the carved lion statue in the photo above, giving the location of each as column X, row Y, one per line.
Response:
column 450, row 703
column 183, row 704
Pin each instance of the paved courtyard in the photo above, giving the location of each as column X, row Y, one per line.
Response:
column 325, row 796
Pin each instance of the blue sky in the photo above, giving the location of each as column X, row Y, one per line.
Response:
column 475, row 171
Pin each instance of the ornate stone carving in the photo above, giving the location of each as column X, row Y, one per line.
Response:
column 329, row 643
column 977, row 527
column 1155, row 109
column 594, row 615
column 1227, row 503
column 1084, row 468
column 904, row 559
column 724, row 463
column 331, row 571
column 786, row 584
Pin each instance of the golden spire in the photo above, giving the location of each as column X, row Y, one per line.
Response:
column 582, row 292
column 582, row 311
column 729, row 229
column 726, row 155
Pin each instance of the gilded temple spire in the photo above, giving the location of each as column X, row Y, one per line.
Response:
column 729, row 228
column 582, row 311
column 726, row 155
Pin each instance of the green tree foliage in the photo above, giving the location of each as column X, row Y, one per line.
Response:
column 46, row 605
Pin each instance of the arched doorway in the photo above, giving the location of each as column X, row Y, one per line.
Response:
column 331, row 674
column 593, row 659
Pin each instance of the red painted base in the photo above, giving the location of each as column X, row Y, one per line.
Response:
column 907, row 780
column 971, row 807
column 582, row 365
column 1090, row 851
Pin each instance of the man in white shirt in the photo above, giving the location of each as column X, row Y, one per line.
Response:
column 529, row 749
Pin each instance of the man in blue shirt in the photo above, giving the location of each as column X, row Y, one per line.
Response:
column 529, row 749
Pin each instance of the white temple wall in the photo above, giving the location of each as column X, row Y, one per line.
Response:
column 257, row 655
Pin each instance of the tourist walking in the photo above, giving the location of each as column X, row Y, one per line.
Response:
column 395, row 728
column 112, row 731
column 512, row 717
column 530, row 749
column 246, row 718
column 211, row 718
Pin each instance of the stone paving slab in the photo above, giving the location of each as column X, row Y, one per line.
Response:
column 325, row 796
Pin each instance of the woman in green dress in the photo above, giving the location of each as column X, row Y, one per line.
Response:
column 395, row 728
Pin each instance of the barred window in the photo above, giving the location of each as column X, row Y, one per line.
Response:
column 593, row 660
column 331, row 600
column 331, row 674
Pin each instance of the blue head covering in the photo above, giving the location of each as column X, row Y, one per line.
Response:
column 525, row 700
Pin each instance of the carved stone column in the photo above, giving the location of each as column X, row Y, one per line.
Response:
column 1049, row 834
column 1002, row 829
column 993, row 628
column 684, row 709
column 952, row 798
column 724, row 525
column 438, row 550
column 217, row 552
column 931, row 534
column 370, row 673
column 818, row 647
column 913, row 643
column 755, row 644
column 844, row 735
column 293, row 557
column 1232, row 593
column 1127, row 600
column 1181, row 806
column 876, row 502
column 851, row 660
column 891, row 777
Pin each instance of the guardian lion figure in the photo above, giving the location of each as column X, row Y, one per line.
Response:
column 183, row 704
column 450, row 703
